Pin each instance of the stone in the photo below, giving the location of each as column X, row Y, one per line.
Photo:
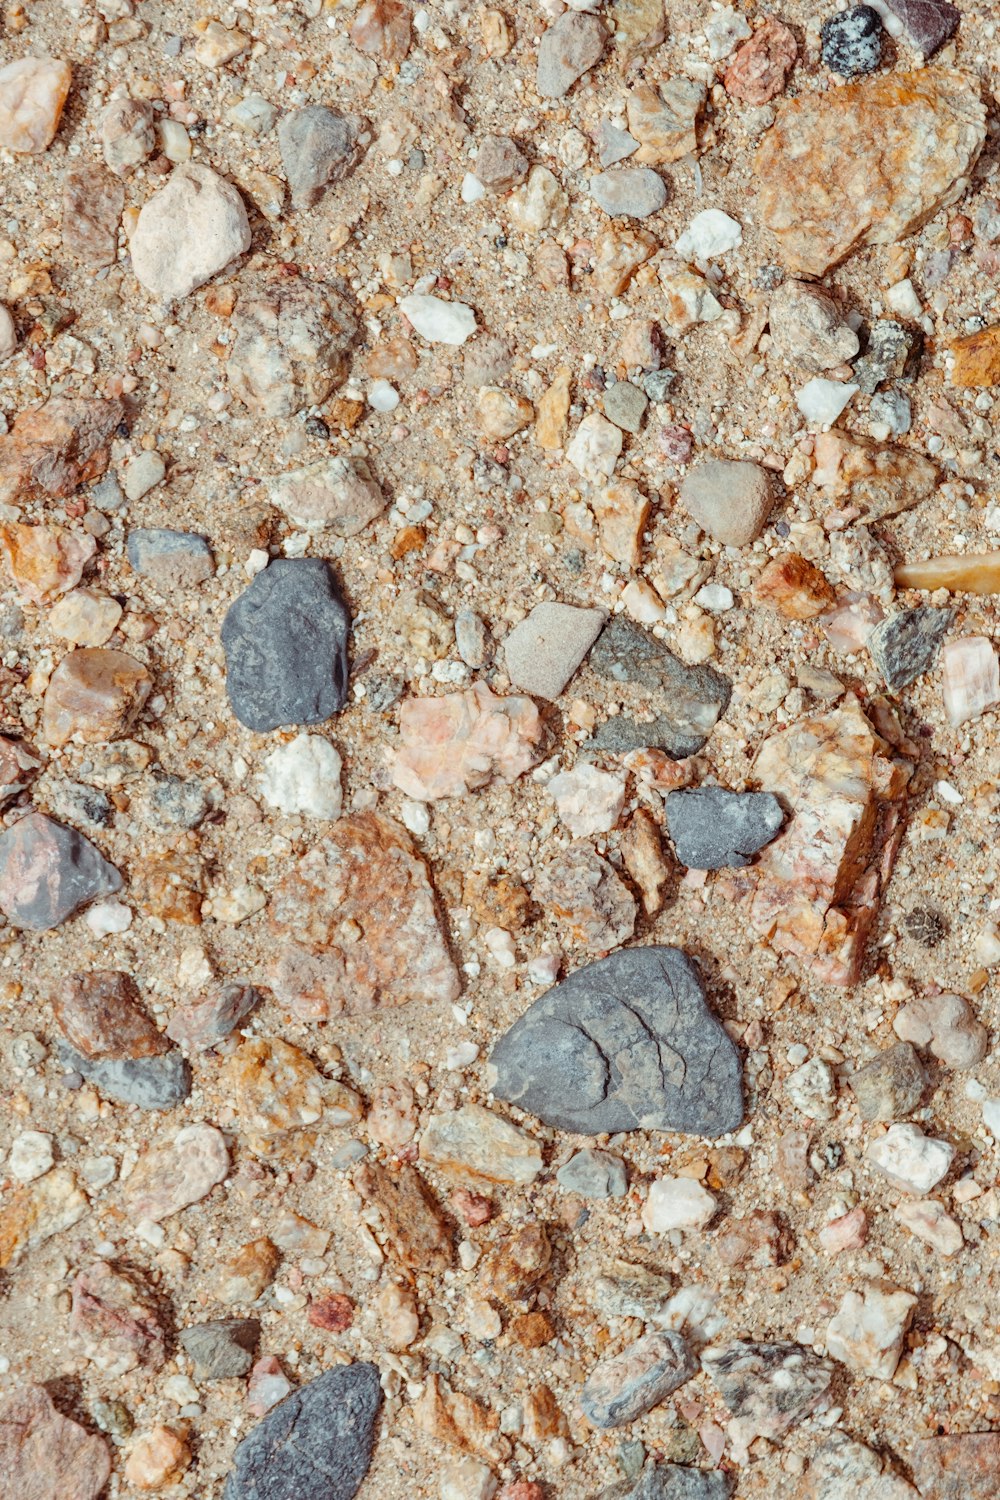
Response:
column 127, row 134
column 49, row 872
column 639, row 27
column 408, row 1216
column 570, row 47
column 688, row 301
column 690, row 700
column 170, row 559
column 759, row 71
column 472, row 639
column 622, row 511
column 545, row 650
column 38, row 1210
column 274, row 1087
column 878, row 479
column 43, row 1453
column 382, row 28
column 500, row 163
column 588, row 801
column 966, row 573
column 976, row 360
column 502, row 413
column 843, row 1469
column 794, row 587
column 626, row 1043
column 622, row 1387
column 449, row 1416
column 946, row 1026
column 44, row 561
column 911, row 1161
column 8, row 334
column 848, row 1232
column 619, row 253
column 892, row 353
column 319, row 147
column 867, row 1331
column 759, row 1238
column 851, row 41
column 891, row 1085
column 291, row 343
column 474, row 1142
column 812, row 1088
column 438, row 321
column 31, row 1155
column 710, row 234
column 54, row 448
column 205, row 1023
column 962, row 1467
column 172, row 1175
column 822, row 401
column 714, row 829
column 581, row 892
column 970, row 674
column 642, row 855
column 768, row 1388
column 113, row 1043
column 188, row 232
column 626, row 1290
column 818, row 884
column 664, row 120
column 927, row 24
column 866, row 164
column 18, row 765
column 542, row 202
column 221, row 1350
column 84, row 618
column 595, row 448
column 218, row 45
column 625, row 404
column 906, row 645
column 285, row 639
column 454, row 744
column 359, row 924
column 303, row 777
column 927, row 1220
column 94, row 695
column 593, row 1174
column 730, row 499
column 157, row 1458
column 807, row 327
column 671, row 1482
column 92, row 205
column 115, row 1320
column 32, row 94
column 677, row 1203
column 629, row 192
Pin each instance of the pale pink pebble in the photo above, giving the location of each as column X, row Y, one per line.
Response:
column 714, row 1440
column 848, row 627
column 32, row 94
column 694, row 879
column 849, row 1232
column 690, row 1410
column 459, row 742
column 970, row 678
column 268, row 1384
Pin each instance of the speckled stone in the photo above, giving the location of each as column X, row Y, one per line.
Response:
column 168, row 558
column 319, row 146
column 48, row 872
column 714, row 829
column 626, row 1385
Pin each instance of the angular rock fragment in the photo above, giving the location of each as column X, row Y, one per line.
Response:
column 581, row 891
column 56, row 447
column 867, row 1332
column 961, row 1467
column 664, row 120
column 713, row 829
column 808, row 328
column 928, row 1221
column 291, row 343
column 843, row 1468
column 473, row 1142
column 48, row 872
column 170, row 559
column 451, row 1417
column 971, row 678
column 892, row 353
column 911, row 1161
column 32, row 94
column 44, row 561
column 127, row 134
column 174, row 1174
column 116, row 1321
column 851, row 41
column 91, row 214
column 629, row 192
column 439, row 321
column 879, row 479
column 37, row 1211
column 927, row 24
column 569, row 48
column 946, row 1026
column 319, row 146
column 593, row 1174
column 626, row 1043
column 729, row 499
column 642, row 853
column 409, row 1216
column 891, row 1085
column 222, row 1350
column 457, row 743
column 500, row 163
column 769, row 1388
column 624, row 1386
column 968, row 573
column 760, row 68
column 95, row 695
column 906, row 645
column 544, row 651
column 115, row 1045
column 588, row 801
column 18, row 765
column 207, row 1022
column 216, row 230
column 794, row 587
column 689, row 700
column 678, row 1203
column 43, row 1453
column 337, row 493
column 85, row 617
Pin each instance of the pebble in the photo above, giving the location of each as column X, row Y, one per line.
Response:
column 44, row 1453
column 963, row 1466
column 438, row 321
column 595, row 448
column 730, row 499
column 868, row 1329
column 319, row 146
column 588, row 801
column 689, row 700
column 877, row 478
column 205, row 1023
column 544, row 651
column 8, row 333
column 170, row 559
column 760, row 69
column 468, row 1479
column 927, row 24
column 582, row 892
column 303, row 776
column 48, row 872
column 677, row 1203
column 221, row 1350
column 808, row 328
column 625, row 404
column 892, row 353
column 37, row 1211
column 821, row 401
column 44, row 561
column 31, row 1156
column 891, row 1085
column 92, row 205
column 215, row 230
column 291, row 343
column 710, row 234
column 714, row 829
column 459, row 742
column 906, row 645
column 95, row 695
column 583, row 1059
column 173, row 1174
column 33, row 91
column 629, row 192
column 84, row 617
column 474, row 1142
column 946, row 1025
column 112, row 1043
column 157, row 1458
column 570, row 47
column 928, row 1221
column 593, row 1174
column 843, row 1469
column 910, row 1160
column 115, row 1321
column 622, row 1387
column 768, row 1388
column 851, row 41
column 127, row 134
column 500, row 163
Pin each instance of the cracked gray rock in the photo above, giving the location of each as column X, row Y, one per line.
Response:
column 686, row 702
column 628, row 1384
column 906, row 645
column 147, row 1082
column 713, row 829
column 671, row 1482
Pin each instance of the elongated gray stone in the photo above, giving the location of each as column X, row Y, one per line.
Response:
column 906, row 645
column 157, row 1082
column 626, row 1385
column 170, row 558
column 626, row 1043
column 671, row 1482
column 713, row 829
column 686, row 702
column 48, row 872
column 629, row 192
column 316, row 1444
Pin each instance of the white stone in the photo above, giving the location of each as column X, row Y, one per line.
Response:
column 416, row 816
column 987, row 946
column 472, row 188
column 303, row 777
column 468, row 1479
column 173, row 140
column 107, row 917
column 595, row 448
column 188, row 232
column 438, row 321
column 180, row 1389
column 724, row 30
column 587, row 800
column 902, row 298
column 500, row 946
column 929, row 1221
column 689, row 300
column 715, row 597
column 642, row 603
column 8, row 334
column 142, row 474
column 821, row 401
column 677, row 1203
column 709, row 234
column 540, row 203
column 970, row 678
column 812, row 1088
column 544, row 968
column 910, row 1160
column 254, row 114
column 382, row 396
column 866, row 1333
column 31, row 1155
column 991, row 1117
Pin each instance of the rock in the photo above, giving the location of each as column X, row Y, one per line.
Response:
column 769, row 1388
column 729, row 499
column 971, row 678
column 569, row 48
column 911, row 1161
column 892, row 353
column 8, row 334
column 502, row 413
column 976, row 360
column 712, row 829
column 544, row 651
column 822, row 401
column 32, row 94
column 588, row 801
column 92, row 206
column 285, row 640
column 807, row 327
column 438, row 321
column 672, row 1482
column 319, row 147
column 35, row 1212
column 623, row 1387
column 906, row 645
column 473, row 1142
column 114, row 1044
column 500, row 163
column 49, row 872
column 303, row 777
column 359, row 924
column 581, row 889
column 760, row 69
column 758, row 1239
column 867, row 1332
column 84, row 618
column 946, row 1026
column 625, row 404
column 448, row 1416
column 468, row 1479
column 928, row 1221
column 851, row 41
column 541, row 203
column 688, row 301
column 188, row 232
column 818, row 884
column 170, row 559
column 31, row 1155
column 690, row 699
column 812, row 1088
column 94, row 694
column 249, row 1272
column 677, row 1203
column 927, row 24
column 891, row 1085
column 472, row 640
column 382, row 29
column 44, row 561
column 455, row 744
column 115, row 1320
column 629, row 192
column 843, row 1469
column 962, row 1467
column 158, row 1458
column 43, row 1453
column 585, row 1060
column 595, row 448
column 866, row 164
column 275, row 1088
column 56, row 447
column 664, row 120
column 222, row 1350
column 18, row 766
column 218, row 45
column 622, row 512
column 292, row 339
column 642, row 854
column 593, row 1174
column 878, row 479
column 710, row 234
column 794, row 587
column 174, row 1174
column 619, row 253
column 127, row 134
column 200, row 1026
column 639, row 27
column 408, row 1216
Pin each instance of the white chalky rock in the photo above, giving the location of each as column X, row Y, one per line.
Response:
column 903, row 299
column 866, row 1333
column 30, row 1156
column 677, row 1203
column 946, row 1026
column 910, row 1160
column 709, row 234
column 540, row 203
column 188, row 232
column 813, row 1089
column 8, row 334
column 595, row 448
column 991, row 1117
column 822, row 401
column 303, row 777
column 588, row 800
column 468, row 1479
column 688, row 300
column 438, row 321
column 724, row 30
column 107, row 917
column 929, row 1221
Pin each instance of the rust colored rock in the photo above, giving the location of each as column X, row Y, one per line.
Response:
column 977, row 360
column 760, row 69
column 412, row 1223
column 36, row 1212
column 360, row 925
column 965, row 1467
column 43, row 1453
column 333, row 1313
column 591, row 904
column 274, row 1087
column 167, row 883
column 100, row 1015
column 472, row 1207
column 758, row 1239
column 93, row 199
column 876, row 478
column 642, row 852
column 514, row 1269
column 532, row 1330
column 382, row 29
column 58, row 446
column 458, row 1420
column 457, row 743
column 794, row 587
column 96, row 694
column 819, row 883
column 44, row 561
column 115, row 1320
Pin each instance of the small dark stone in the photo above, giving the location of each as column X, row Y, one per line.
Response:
column 695, row 697
column 317, row 428
column 926, row 925
column 713, row 829
column 893, row 353
column 48, row 872
column 318, row 146
column 221, row 1350
column 851, row 41
column 285, row 640
column 891, row 1085
column 928, row 24
column 906, row 645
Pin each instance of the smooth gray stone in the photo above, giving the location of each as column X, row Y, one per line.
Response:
column 318, row 146
column 906, row 645
column 593, row 1174
column 221, row 1350
column 671, row 1482
column 627, row 1043
column 316, row 1444
column 627, row 1385
column 157, row 1082
column 49, row 871
column 285, row 640
column 687, row 701
column 714, row 829
column 629, row 192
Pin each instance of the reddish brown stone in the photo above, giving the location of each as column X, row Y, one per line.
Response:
column 44, row 1454
column 334, row 1313
column 514, row 1269
column 532, row 1330
column 93, row 200
column 760, row 69
column 412, row 1222
column 44, row 561
column 94, row 693
column 18, row 765
column 474, row 1209
column 58, row 446
column 100, row 1015
column 794, row 587
column 382, row 27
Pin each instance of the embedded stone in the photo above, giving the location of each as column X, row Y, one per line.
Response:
column 688, row 700
column 44, row 561
column 714, row 829
column 629, row 192
column 291, row 346
column 474, row 1142
column 730, row 499
column 625, row 1386
column 115, row 1320
column 582, row 892
column 593, row 1174
column 454, row 744
column 95, row 694
column 911, row 1161
column 867, row 1332
column 188, row 231
column 32, row 94
column 877, row 478
column 808, row 328
column 221, row 1350
column 319, row 146
column 170, row 559
column 43, row 1453
column 927, row 24
column 337, row 493
column 759, row 71
column 843, row 1469
column 769, row 1388
column 891, row 1085
column 965, row 1466
column 92, row 206
column 569, row 48
column 56, row 447
column 48, row 872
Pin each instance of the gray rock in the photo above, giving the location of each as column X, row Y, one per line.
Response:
column 500, row 163
column 625, row 1386
column 627, row 1290
column 890, row 1086
column 893, row 353
column 78, row 803
column 594, row 1174
column 693, row 698
column 471, row 638
column 713, row 829
column 157, row 1082
column 627, row 1043
column 318, row 146
column 170, row 559
column 894, row 409
column 657, row 384
column 613, row 144
column 569, row 48
column 544, row 651
column 223, row 1349
column 768, row 1388
column 174, row 803
column 207, row 1022
column 629, row 192
column 625, row 405
column 729, row 498
column 843, row 1469
column 285, row 640
column 317, row 1443
column 906, row 645
column 48, row 872
column 671, row 1482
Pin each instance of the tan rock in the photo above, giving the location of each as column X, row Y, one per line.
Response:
column 642, row 851
column 274, row 1087
column 43, row 1453
column 455, row 744
column 157, row 1458
column 794, row 587
column 337, row 493
column 85, row 617
column 552, row 411
column 174, row 1174
column 843, row 1467
column 618, row 254
column 100, row 1015
column 410, row 1218
column 581, row 891
column 96, row 694
column 473, row 1142
column 248, row 1273
column 127, row 134
column 32, row 94
column 976, row 360
column 37, row 1211
column 963, row 1466
column 218, row 45
column 92, row 205
column 622, row 511
column 876, row 478
column 760, row 68
column 502, row 413
column 664, row 120
column 44, row 561
column 452, row 1418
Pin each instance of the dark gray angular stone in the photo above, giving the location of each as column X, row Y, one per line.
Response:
column 906, row 645
column 627, row 1043
column 626, row 1385
column 928, row 24
column 769, row 1388
column 893, row 353
column 316, row 1444
column 693, row 698
column 170, row 558
column 285, row 640
column 157, row 1082
column 890, row 1086
column 671, row 1482
column 713, row 829
column 48, row 872
column 223, row 1349
column 318, row 146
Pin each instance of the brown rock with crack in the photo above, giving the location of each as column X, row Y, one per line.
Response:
column 458, row 1420
column 58, row 446
column 962, row 1467
column 411, row 1220
column 94, row 693
column 876, row 479
column 43, row 1453
column 100, row 1015
column 93, row 199
column 819, row 883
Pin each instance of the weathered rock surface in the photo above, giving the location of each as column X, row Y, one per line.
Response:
column 115, row 1320
column 963, row 1467
column 582, row 892
column 624, row 1386
column 319, row 146
column 221, row 1350
column 48, row 872
column 216, row 231
column 843, row 1468
column 339, row 494
column 174, row 1174
column 808, row 327
column 714, row 829
column 44, row 561
column 37, row 1211
column 476, row 1143
column 32, row 94
column 891, row 1085
column 291, row 343
column 114, row 1044
column 569, row 48
column 43, row 1453
column 769, row 1388
column 409, row 1216
column 170, row 559
column 687, row 701
column 56, row 447
column 457, row 743
column 730, row 499
column 879, row 479
column 867, row 1332
column 95, row 695
column 92, row 205
column 906, row 645
column 668, row 1482
column 544, row 651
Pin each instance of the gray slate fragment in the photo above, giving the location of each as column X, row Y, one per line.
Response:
column 593, row 1174
column 170, row 558
column 221, row 1350
column 768, row 1388
column 627, row 1385
column 693, row 698
column 545, row 650
column 175, row 803
column 613, row 144
column 906, row 645
column 285, row 640
column 317, row 1443
column 318, row 146
column 629, row 192
column 627, row 1043
column 48, row 872
column 158, row 1082
column 891, row 1085
column 625, row 405
column 569, row 48
column 714, row 829
column 893, row 353
column 671, row 1482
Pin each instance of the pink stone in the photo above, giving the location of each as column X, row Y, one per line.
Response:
column 116, row 1321
column 174, row 1174
column 849, row 1232
column 268, row 1384
column 44, row 561
column 848, row 626
column 43, row 1453
column 458, row 743
column 970, row 678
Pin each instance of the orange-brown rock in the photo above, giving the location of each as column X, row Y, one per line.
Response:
column 793, row 587
column 516, row 1266
column 94, row 693
column 44, row 561
column 532, row 1330
column 100, row 1015
column 458, row 1420
column 977, row 359
column 37, row 1211
column 543, row 1417
column 964, row 1466
column 642, row 852
column 274, row 1087
column 411, row 1220
column 58, row 446
column 760, row 68
column 167, row 883
column 877, row 479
